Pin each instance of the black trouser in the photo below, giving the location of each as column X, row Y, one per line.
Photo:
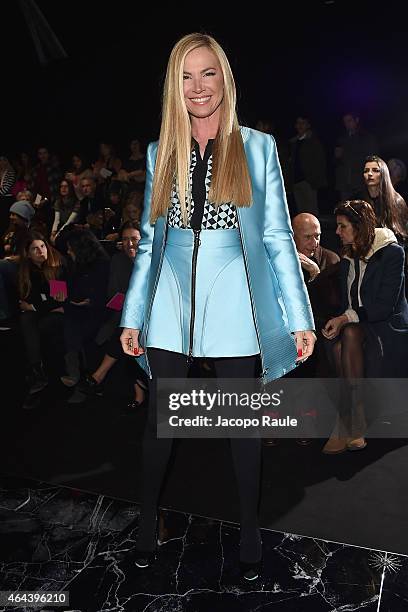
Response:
column 35, row 328
column 246, row 453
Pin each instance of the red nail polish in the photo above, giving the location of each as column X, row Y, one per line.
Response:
column 135, row 351
column 300, row 352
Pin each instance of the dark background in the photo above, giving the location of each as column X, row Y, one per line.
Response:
column 318, row 58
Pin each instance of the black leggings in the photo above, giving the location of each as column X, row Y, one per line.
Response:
column 36, row 329
column 246, row 453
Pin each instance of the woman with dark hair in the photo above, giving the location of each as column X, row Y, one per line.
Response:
column 370, row 337
column 85, row 307
column 66, row 208
column 80, row 169
column 41, row 315
column 390, row 208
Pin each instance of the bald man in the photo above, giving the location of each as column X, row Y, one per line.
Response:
column 313, row 257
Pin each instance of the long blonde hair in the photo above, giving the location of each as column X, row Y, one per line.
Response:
column 231, row 181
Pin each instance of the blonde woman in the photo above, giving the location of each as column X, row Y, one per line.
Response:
column 216, row 265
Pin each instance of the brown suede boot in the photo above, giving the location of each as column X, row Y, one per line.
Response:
column 334, row 446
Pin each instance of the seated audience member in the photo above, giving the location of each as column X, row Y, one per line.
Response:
column 132, row 211
column 91, row 202
column 390, row 208
column 107, row 165
column 46, row 177
column 7, row 181
column 23, row 168
column 370, row 337
column 95, row 223
column 26, row 195
column 320, row 270
column 79, row 170
column 133, row 171
column 113, row 211
column 85, row 307
column 109, row 335
column 21, row 214
column 41, row 316
column 318, row 266
column 66, row 208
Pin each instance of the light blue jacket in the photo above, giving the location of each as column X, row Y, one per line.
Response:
column 279, row 297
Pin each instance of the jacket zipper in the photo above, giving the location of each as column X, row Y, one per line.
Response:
column 197, row 243
column 264, row 370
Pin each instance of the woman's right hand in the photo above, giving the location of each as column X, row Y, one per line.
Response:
column 130, row 342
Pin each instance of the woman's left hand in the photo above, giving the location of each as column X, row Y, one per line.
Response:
column 305, row 341
column 333, row 327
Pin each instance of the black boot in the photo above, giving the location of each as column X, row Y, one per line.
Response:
column 37, row 379
column 250, row 553
column 147, row 539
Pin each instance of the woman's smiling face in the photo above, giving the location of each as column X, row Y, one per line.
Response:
column 203, row 82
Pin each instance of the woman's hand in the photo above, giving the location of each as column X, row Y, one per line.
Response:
column 25, row 306
column 305, row 341
column 83, row 303
column 60, row 309
column 130, row 342
column 60, row 296
column 112, row 237
column 333, row 327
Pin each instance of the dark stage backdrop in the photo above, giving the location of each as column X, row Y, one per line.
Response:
column 318, row 58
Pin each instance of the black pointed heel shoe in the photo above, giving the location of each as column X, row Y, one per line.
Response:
column 145, row 559
column 250, row 571
column 250, row 548
column 148, row 538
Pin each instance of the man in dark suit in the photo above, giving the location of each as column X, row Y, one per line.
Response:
column 307, row 167
column 92, row 202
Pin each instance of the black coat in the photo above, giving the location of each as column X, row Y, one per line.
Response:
column 121, row 268
column 39, row 295
column 384, row 312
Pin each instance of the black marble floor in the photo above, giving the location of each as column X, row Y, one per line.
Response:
column 62, row 539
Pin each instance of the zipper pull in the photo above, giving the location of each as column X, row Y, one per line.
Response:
column 197, row 241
